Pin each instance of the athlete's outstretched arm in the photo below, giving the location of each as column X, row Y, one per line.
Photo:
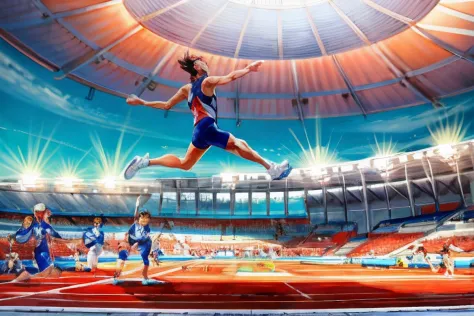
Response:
column 213, row 81
column 137, row 207
column 181, row 95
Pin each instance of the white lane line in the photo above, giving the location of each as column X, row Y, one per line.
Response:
column 58, row 291
column 301, row 293
column 223, row 302
column 459, row 308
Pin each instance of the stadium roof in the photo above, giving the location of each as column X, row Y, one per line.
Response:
column 324, row 57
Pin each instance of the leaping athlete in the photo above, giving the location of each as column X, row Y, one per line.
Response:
column 202, row 100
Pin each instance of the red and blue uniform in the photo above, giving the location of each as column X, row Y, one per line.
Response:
column 204, row 108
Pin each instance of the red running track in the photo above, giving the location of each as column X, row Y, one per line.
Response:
column 215, row 285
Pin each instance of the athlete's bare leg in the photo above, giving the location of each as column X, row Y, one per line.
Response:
column 240, row 148
column 171, row 161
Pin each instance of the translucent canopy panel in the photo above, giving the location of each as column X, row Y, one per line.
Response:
column 324, row 58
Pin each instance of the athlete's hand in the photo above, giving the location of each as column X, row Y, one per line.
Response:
column 255, row 65
column 134, row 100
column 138, row 202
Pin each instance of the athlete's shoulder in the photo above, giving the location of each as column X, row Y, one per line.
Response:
column 186, row 88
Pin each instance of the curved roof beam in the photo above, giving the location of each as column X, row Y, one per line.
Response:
column 294, row 73
column 161, row 11
column 455, row 13
column 141, row 88
column 237, row 104
column 397, row 72
column 339, row 67
column 242, row 33
column 453, row 30
column 51, row 17
column 350, row 23
column 316, row 33
column 209, row 21
column 178, row 84
column 93, row 55
column 350, row 86
column 280, row 35
column 420, row 31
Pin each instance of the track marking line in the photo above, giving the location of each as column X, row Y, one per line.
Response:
column 223, row 302
column 234, row 311
column 109, row 280
column 295, row 289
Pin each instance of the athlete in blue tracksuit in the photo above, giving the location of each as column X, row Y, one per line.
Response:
column 39, row 229
column 202, row 101
column 138, row 236
column 94, row 240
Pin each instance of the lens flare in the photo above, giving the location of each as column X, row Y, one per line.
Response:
column 385, row 148
column 110, row 166
column 448, row 132
column 29, row 166
column 314, row 157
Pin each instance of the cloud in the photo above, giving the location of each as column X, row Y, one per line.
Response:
column 59, row 142
column 402, row 124
column 24, row 86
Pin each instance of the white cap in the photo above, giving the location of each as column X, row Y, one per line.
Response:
column 39, row 207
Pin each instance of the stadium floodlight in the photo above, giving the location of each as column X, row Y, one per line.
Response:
column 347, row 168
column 446, row 151
column 381, row 163
column 29, row 179
column 403, row 158
column 68, row 182
column 364, row 164
column 418, row 155
column 109, row 182
column 227, row 177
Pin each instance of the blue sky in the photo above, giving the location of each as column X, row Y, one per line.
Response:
column 35, row 107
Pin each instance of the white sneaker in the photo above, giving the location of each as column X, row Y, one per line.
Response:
column 136, row 164
column 279, row 171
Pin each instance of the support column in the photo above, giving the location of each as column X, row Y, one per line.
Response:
column 387, row 199
column 268, row 202
column 214, row 202
column 433, row 187
column 196, row 201
column 178, row 197
column 250, row 201
column 160, row 205
column 325, row 204
column 410, row 192
column 285, row 197
column 344, row 195
column 232, row 202
column 305, row 197
column 368, row 216
column 461, row 191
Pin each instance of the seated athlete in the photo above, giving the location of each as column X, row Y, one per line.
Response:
column 138, row 237
column 202, row 101
column 93, row 239
column 13, row 265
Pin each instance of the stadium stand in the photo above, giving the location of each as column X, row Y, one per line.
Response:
column 382, row 244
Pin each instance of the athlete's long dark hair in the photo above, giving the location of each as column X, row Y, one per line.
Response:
column 187, row 64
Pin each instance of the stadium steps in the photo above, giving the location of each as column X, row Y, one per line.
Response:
column 347, row 248
column 403, row 251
